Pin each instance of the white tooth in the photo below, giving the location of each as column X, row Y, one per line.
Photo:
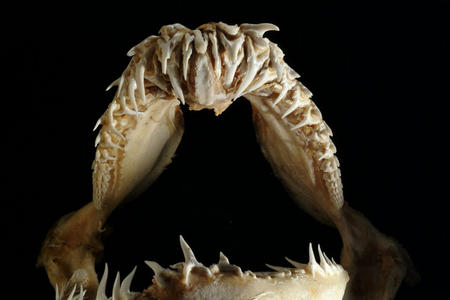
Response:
column 330, row 263
column 281, row 94
column 114, row 83
column 101, row 291
column 338, row 266
column 323, row 262
column 189, row 260
column 99, row 121
column 119, row 89
column 322, row 259
column 72, row 293
column 259, row 29
column 81, row 294
column 189, row 257
column 312, row 264
column 131, row 52
column 140, row 81
column 126, row 283
column 278, row 269
column 312, row 258
column 223, row 260
column 97, row 140
column 172, row 71
column 253, row 65
column 295, row 264
column 131, row 88
column 230, row 29
column 157, row 269
column 116, row 288
column 291, row 109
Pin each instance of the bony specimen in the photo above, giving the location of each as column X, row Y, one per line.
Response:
column 210, row 67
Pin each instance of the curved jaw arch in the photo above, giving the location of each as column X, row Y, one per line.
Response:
column 209, row 67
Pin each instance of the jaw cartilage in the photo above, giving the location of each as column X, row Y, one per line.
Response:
column 209, row 68
column 193, row 280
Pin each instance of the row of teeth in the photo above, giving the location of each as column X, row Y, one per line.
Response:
column 121, row 291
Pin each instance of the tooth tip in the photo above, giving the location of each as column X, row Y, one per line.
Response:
column 312, row 258
column 126, row 283
column 101, row 291
column 223, row 259
column 156, row 268
column 189, row 256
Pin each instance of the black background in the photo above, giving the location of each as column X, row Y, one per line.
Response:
column 378, row 72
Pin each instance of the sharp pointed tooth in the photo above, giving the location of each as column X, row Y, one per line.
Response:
column 99, row 122
column 126, row 283
column 323, row 262
column 314, row 267
column 295, row 264
column 72, row 293
column 312, row 258
column 330, row 263
column 81, row 294
column 114, row 83
column 327, row 259
column 157, row 269
column 321, row 257
column 223, row 260
column 116, row 288
column 338, row 266
column 189, row 256
column 278, row 269
column 101, row 291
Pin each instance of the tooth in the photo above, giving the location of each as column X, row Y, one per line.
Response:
column 312, row 264
column 126, row 283
column 223, row 260
column 312, row 258
column 230, row 29
column 189, row 260
column 254, row 64
column 323, row 263
column 157, row 269
column 72, row 293
column 291, row 109
column 82, row 293
column 330, row 263
column 131, row 88
column 101, row 291
column 259, row 29
column 338, row 266
column 116, row 288
column 295, row 264
column 189, row 257
column 278, row 269
column 281, row 95
column 120, row 80
column 140, row 81
column 99, row 121
column 97, row 140
column 322, row 259
column 114, row 83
